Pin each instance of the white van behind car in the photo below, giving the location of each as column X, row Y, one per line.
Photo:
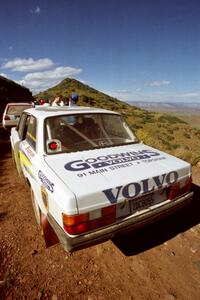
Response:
column 12, row 113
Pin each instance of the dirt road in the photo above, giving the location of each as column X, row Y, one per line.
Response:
column 158, row 262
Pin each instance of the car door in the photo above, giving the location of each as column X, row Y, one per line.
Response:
column 17, row 136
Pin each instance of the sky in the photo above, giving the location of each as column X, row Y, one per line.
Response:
column 134, row 50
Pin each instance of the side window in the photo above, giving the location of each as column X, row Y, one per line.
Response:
column 31, row 132
column 22, row 126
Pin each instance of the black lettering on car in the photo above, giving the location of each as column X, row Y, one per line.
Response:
column 133, row 189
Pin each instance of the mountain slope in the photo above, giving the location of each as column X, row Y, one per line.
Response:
column 163, row 131
column 88, row 96
column 10, row 91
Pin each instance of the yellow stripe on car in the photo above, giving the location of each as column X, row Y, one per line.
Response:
column 25, row 161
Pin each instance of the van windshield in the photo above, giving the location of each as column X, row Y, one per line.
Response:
column 17, row 110
column 70, row 133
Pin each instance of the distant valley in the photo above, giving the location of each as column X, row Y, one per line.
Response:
column 188, row 112
column 178, row 107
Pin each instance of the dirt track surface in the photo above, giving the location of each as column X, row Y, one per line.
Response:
column 158, row 262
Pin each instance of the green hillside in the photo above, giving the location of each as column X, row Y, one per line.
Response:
column 163, row 131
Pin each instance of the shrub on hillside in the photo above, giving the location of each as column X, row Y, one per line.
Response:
column 186, row 135
column 170, row 119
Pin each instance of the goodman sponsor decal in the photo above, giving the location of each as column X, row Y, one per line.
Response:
column 46, row 182
column 109, row 160
column 133, row 189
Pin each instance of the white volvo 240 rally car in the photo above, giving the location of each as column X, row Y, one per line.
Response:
column 90, row 177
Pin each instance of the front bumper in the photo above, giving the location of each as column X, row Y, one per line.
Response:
column 129, row 223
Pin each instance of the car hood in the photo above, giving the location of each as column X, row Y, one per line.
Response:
column 109, row 175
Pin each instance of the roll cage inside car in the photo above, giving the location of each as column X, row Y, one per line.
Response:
column 86, row 131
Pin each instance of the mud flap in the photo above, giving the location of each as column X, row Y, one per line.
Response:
column 49, row 234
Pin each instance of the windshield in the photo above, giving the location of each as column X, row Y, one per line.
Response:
column 17, row 109
column 70, row 133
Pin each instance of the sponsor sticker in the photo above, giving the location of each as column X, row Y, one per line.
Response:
column 46, row 182
column 109, row 160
